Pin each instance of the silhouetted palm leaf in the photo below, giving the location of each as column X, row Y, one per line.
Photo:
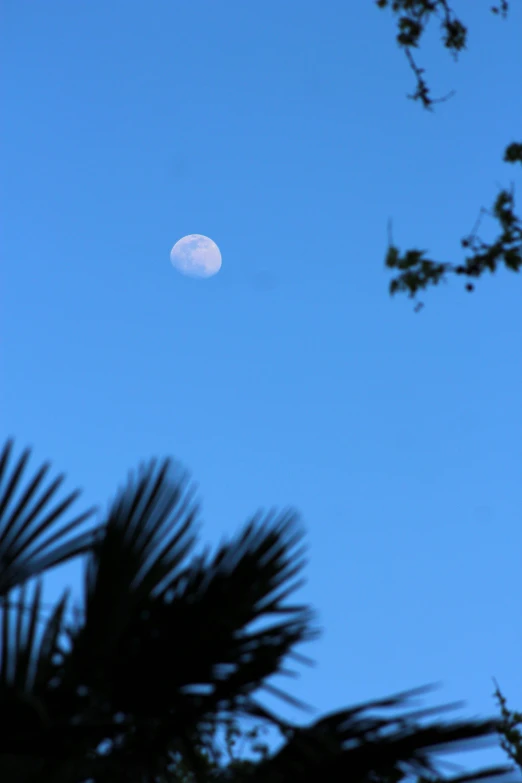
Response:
column 350, row 745
column 27, row 664
column 202, row 658
column 26, row 655
column 165, row 642
column 147, row 535
column 216, row 601
column 32, row 537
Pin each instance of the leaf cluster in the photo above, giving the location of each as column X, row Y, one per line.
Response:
column 416, row 271
column 413, row 17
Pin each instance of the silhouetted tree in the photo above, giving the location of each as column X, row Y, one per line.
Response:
column 168, row 645
column 416, row 271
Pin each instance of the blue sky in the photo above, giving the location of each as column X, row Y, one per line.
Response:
column 282, row 131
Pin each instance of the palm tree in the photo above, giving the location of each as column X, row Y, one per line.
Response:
column 167, row 644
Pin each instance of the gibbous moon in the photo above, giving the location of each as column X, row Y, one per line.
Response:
column 196, row 256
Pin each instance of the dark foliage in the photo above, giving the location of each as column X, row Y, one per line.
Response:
column 510, row 729
column 168, row 645
column 416, row 271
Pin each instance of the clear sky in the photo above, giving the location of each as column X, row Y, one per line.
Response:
column 282, row 131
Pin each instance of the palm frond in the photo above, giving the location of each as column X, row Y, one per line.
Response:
column 44, row 735
column 29, row 659
column 351, row 745
column 165, row 641
column 253, row 576
column 147, row 535
column 198, row 656
column 201, row 649
column 32, row 536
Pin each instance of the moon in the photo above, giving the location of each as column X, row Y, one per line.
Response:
column 196, row 256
